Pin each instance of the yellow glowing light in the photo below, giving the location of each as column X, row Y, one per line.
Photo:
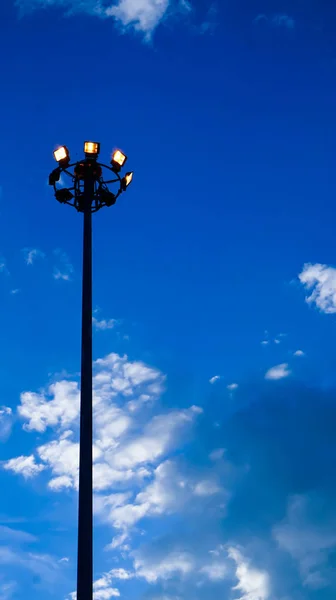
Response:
column 119, row 158
column 128, row 178
column 91, row 148
column 61, row 153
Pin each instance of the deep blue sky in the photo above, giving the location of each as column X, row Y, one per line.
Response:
column 227, row 113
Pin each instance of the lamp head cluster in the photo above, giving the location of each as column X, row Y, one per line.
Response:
column 90, row 168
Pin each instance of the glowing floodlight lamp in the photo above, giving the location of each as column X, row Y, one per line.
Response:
column 62, row 155
column 91, row 149
column 118, row 160
column 125, row 182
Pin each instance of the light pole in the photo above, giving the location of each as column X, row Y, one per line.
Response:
column 88, row 193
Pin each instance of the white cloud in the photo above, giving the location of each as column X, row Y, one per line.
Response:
column 264, row 343
column 206, row 488
column 158, row 437
column 24, row 465
column 104, row 507
column 15, row 291
column 141, row 15
column 299, row 353
column 232, row 386
column 278, row 372
column 41, row 412
column 31, row 254
column 102, row 589
column 114, row 376
column 215, row 378
column 61, row 483
column 121, row 574
column 118, row 541
column 308, row 536
column 321, row 281
column 129, row 482
column 62, row 457
column 154, row 568
column 253, row 584
column 169, row 492
column 126, row 516
column 104, row 476
column 103, row 324
column 158, row 563
column 119, row 457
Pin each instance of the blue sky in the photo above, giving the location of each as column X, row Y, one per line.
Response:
column 214, row 296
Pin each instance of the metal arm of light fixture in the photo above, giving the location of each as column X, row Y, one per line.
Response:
column 73, row 195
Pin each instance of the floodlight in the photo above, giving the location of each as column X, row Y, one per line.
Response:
column 108, row 197
column 127, row 180
column 62, row 155
column 64, row 195
column 118, row 160
column 91, row 149
column 54, row 176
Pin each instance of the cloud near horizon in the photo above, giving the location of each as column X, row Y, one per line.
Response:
column 228, row 521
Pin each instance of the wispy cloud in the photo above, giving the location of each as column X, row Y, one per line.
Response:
column 281, row 20
column 41, row 565
column 306, row 541
column 298, row 353
column 7, row 590
column 277, row 340
column 15, row 536
column 213, row 379
column 65, row 269
column 209, row 22
column 142, row 16
column 103, row 324
column 232, row 386
column 217, row 454
column 6, row 422
column 278, row 372
column 3, row 266
column 32, row 254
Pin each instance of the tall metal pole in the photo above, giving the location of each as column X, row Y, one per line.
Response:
column 85, row 518
column 88, row 193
